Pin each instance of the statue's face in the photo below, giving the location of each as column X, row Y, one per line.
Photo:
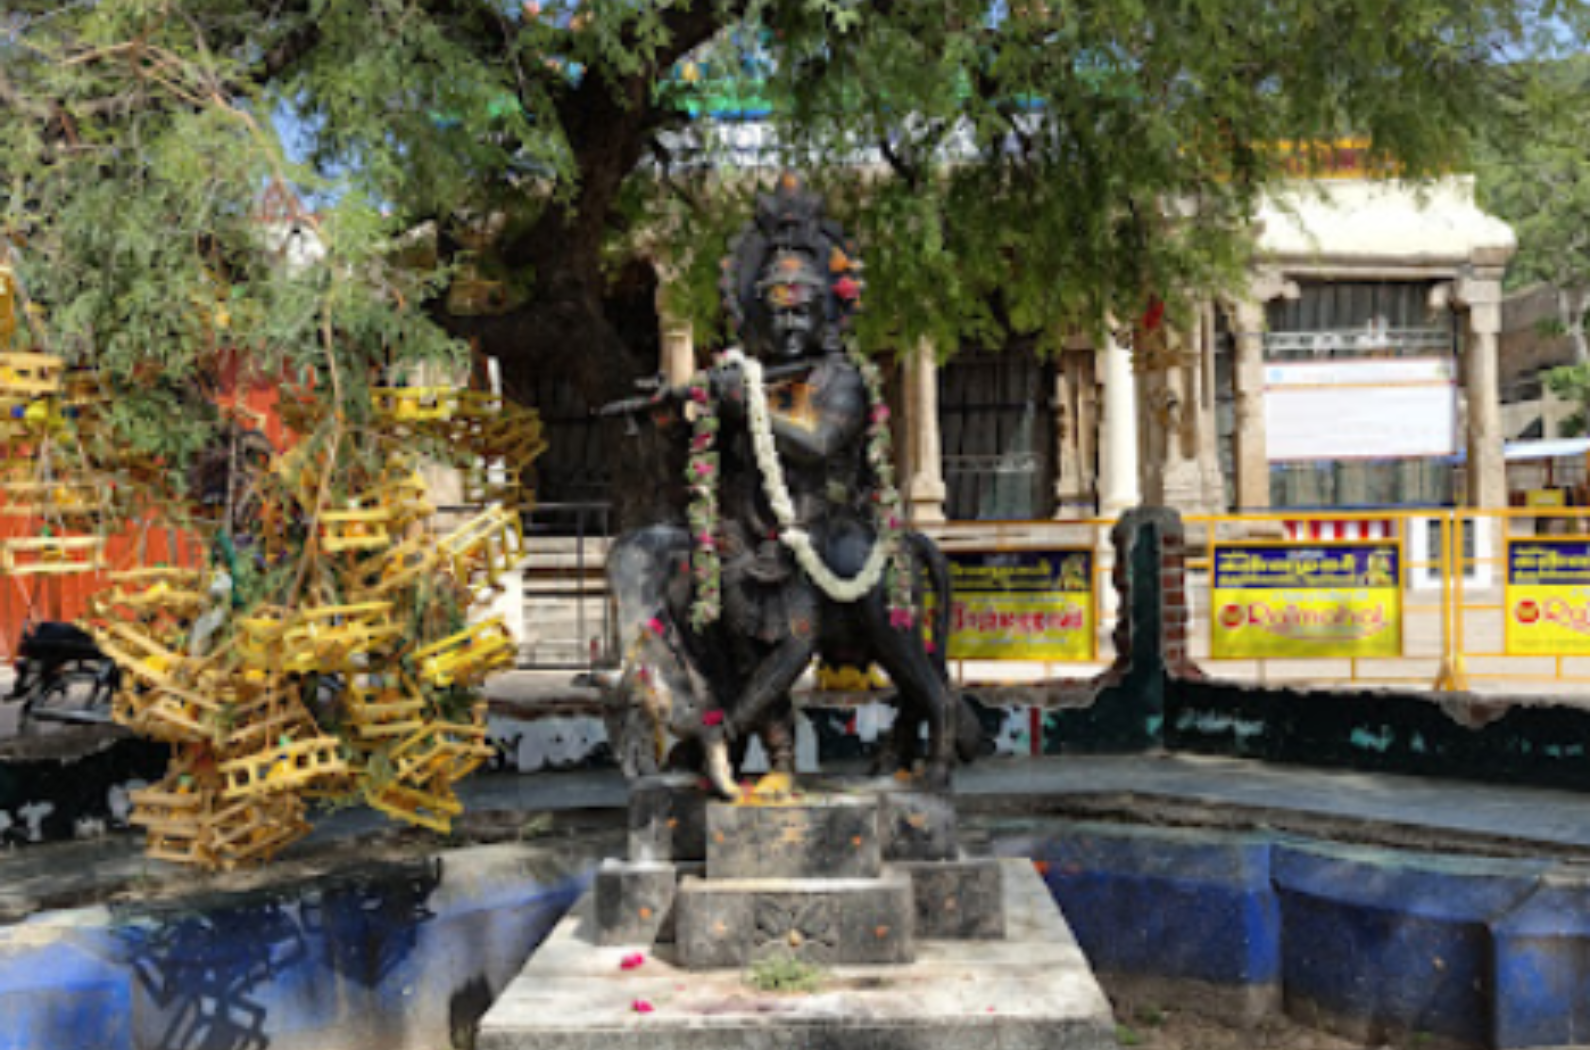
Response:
column 792, row 291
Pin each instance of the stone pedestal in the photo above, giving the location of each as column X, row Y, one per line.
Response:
column 1030, row 991
column 917, row 825
column 958, row 900
column 731, row 923
column 917, row 945
column 667, row 819
column 827, row 837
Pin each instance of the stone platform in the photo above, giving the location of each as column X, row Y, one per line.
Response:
column 1032, row 990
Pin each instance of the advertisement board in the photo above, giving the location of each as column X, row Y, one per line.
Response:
column 1376, row 409
column 1301, row 601
column 1023, row 605
column 1547, row 596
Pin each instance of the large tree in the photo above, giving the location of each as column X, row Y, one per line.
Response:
column 1010, row 167
column 1534, row 171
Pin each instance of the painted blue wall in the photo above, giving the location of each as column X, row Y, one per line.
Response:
column 1165, row 903
column 400, row 955
column 1385, row 944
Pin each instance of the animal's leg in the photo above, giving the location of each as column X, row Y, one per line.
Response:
column 778, row 737
column 769, row 683
column 902, row 746
column 921, row 692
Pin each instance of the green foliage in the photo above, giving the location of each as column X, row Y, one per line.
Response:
column 1010, row 167
column 1571, row 383
column 1534, row 171
column 782, row 972
column 136, row 153
column 1037, row 172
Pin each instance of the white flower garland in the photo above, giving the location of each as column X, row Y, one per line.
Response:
column 777, row 490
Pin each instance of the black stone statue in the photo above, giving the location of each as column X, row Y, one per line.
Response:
column 720, row 620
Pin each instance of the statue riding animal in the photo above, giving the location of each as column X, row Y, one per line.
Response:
column 795, row 547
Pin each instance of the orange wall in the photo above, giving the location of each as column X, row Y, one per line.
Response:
column 31, row 599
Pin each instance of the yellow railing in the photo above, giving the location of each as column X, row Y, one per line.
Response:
column 1454, row 606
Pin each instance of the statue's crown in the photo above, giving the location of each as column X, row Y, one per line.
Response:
column 790, row 227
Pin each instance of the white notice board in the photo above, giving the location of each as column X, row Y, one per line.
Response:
column 1396, row 408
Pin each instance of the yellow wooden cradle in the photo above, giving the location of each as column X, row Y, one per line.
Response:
column 285, row 767
column 355, row 529
column 27, row 377
column 467, row 657
column 484, row 548
column 327, row 639
column 52, row 555
column 414, row 404
column 434, row 809
column 387, row 708
column 49, row 500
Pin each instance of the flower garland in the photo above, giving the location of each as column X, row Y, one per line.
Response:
column 701, row 474
column 888, row 552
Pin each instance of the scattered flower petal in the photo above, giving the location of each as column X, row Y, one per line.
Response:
column 631, row 962
column 643, row 1006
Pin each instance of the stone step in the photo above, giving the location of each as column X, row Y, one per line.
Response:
column 816, row 836
column 733, row 923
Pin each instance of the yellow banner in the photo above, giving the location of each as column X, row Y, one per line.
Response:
column 1030, row 605
column 1306, row 601
column 1548, row 597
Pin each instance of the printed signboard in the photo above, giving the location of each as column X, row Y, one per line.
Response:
column 1548, row 596
column 1026, row 605
column 1297, row 601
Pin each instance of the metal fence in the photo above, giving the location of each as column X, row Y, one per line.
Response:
column 1456, row 598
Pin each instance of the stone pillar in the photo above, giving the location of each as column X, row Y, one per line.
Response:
column 1208, row 435
column 678, row 358
column 1487, row 476
column 1118, row 484
column 924, row 488
column 1168, row 411
column 1251, row 452
column 1073, row 447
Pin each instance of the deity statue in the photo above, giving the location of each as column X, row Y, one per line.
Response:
column 795, row 547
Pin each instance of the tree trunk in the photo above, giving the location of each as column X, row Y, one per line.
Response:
column 574, row 327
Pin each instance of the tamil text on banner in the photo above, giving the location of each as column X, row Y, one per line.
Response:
column 1548, row 597
column 1297, row 601
column 1023, row 605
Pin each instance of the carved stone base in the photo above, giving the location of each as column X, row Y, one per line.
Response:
column 731, row 923
column 958, row 900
